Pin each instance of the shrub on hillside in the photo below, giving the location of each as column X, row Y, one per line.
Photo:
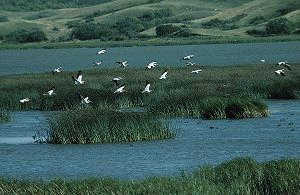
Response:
column 26, row 36
column 88, row 31
column 256, row 32
column 3, row 19
column 279, row 26
column 166, row 29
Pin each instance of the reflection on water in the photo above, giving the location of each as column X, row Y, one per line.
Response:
column 198, row 142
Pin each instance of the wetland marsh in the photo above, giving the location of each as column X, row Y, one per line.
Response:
column 196, row 142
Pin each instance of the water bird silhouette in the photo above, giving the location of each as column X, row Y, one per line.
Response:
column 97, row 63
column 187, row 57
column 122, row 64
column 280, row 72
column 285, row 64
column 78, row 80
column 196, row 71
column 50, row 92
column 147, row 88
column 84, row 100
column 24, row 100
column 164, row 75
column 120, row 89
column 101, row 51
column 191, row 64
column 116, row 80
column 151, row 65
column 57, row 70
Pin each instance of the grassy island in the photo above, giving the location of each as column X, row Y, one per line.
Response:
column 213, row 93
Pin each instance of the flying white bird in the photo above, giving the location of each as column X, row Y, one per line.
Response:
column 57, row 70
column 187, row 57
column 116, row 80
column 78, row 80
column 147, row 88
column 102, row 51
column 151, row 65
column 84, row 100
column 262, row 60
column 164, row 75
column 191, row 64
column 120, row 89
column 280, row 72
column 285, row 64
column 24, row 100
column 123, row 64
column 50, row 92
column 196, row 71
column 97, row 63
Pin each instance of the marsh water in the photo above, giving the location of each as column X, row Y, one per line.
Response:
column 45, row 60
column 198, row 142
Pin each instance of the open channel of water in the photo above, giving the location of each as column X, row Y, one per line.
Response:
column 198, row 142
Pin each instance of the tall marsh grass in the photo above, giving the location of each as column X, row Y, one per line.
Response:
column 4, row 115
column 213, row 93
column 81, row 125
column 237, row 176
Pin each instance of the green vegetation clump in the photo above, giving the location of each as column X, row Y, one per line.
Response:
column 27, row 36
column 4, row 115
column 241, row 175
column 209, row 108
column 277, row 26
column 82, row 125
column 166, row 30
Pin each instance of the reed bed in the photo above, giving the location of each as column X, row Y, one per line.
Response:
column 183, row 93
column 81, row 125
column 237, row 176
column 4, row 115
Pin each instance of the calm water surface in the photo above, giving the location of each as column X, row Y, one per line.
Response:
column 198, row 142
column 44, row 60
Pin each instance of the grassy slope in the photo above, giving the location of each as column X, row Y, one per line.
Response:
column 192, row 12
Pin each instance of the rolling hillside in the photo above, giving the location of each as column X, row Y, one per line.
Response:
column 141, row 17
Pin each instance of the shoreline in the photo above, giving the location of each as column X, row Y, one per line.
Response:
column 149, row 42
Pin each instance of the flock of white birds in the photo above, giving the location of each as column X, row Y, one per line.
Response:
column 85, row 100
column 78, row 80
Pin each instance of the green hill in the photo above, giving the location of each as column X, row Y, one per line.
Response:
column 135, row 19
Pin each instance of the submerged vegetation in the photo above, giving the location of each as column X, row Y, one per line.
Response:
column 237, row 176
